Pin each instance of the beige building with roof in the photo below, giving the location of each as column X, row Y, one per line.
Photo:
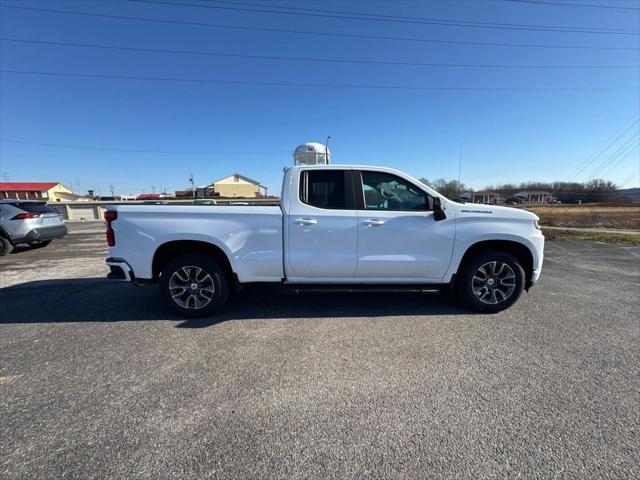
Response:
column 237, row 185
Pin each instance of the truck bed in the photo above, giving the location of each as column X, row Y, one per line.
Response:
column 250, row 235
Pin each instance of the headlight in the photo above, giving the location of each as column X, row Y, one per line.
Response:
column 536, row 224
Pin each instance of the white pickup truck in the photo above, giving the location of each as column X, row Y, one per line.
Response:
column 336, row 227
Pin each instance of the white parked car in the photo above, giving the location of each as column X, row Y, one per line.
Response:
column 344, row 227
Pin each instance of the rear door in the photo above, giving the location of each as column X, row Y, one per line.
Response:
column 397, row 234
column 322, row 226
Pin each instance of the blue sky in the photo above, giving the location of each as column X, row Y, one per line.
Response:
column 252, row 129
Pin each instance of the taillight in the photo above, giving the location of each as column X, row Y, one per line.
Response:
column 110, row 216
column 25, row 216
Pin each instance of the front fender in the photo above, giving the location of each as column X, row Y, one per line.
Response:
column 519, row 232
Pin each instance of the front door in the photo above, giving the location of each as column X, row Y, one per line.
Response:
column 322, row 226
column 397, row 234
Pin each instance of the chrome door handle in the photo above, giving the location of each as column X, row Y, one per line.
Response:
column 305, row 221
column 374, row 222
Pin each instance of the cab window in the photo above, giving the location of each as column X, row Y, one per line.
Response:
column 385, row 191
column 324, row 189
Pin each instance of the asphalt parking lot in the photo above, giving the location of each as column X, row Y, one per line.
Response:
column 98, row 380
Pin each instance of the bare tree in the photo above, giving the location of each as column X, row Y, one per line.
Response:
column 449, row 188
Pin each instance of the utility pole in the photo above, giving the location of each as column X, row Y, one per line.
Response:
column 459, row 168
column 112, row 189
column 193, row 186
column 5, row 176
column 326, row 150
column 153, row 189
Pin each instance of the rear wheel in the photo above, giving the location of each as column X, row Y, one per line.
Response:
column 6, row 247
column 491, row 281
column 194, row 285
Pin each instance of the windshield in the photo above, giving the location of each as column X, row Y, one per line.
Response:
column 35, row 207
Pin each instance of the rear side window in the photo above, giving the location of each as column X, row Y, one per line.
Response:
column 35, row 207
column 324, row 189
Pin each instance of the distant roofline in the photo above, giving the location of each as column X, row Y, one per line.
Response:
column 247, row 179
column 480, row 192
column 532, row 192
column 29, row 186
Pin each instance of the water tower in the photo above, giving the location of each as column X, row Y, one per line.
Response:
column 311, row 153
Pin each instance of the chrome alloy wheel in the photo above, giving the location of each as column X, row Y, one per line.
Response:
column 494, row 283
column 191, row 287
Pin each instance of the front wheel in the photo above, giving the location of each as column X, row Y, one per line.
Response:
column 491, row 281
column 194, row 285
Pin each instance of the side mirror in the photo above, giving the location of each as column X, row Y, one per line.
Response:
column 438, row 212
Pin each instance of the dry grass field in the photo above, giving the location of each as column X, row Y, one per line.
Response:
column 606, row 236
column 599, row 215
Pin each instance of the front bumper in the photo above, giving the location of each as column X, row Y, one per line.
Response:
column 120, row 270
column 537, row 267
column 41, row 234
column 535, row 276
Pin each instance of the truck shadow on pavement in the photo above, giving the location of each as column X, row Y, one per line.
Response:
column 22, row 248
column 101, row 300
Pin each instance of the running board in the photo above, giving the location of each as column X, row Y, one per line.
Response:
column 315, row 288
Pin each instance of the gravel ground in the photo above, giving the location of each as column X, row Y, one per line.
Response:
column 97, row 380
column 80, row 254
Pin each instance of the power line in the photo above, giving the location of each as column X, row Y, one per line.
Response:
column 310, row 85
column 552, row 165
column 171, row 152
column 546, row 166
column 624, row 157
column 316, row 33
column 631, row 175
column 312, row 59
column 623, row 151
column 560, row 164
column 422, row 21
column 374, row 15
column 406, row 19
column 612, row 139
column 580, row 5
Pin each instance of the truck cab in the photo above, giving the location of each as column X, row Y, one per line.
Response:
column 358, row 225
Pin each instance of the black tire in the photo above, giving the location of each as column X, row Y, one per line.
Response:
column 185, row 267
column 6, row 247
column 39, row 244
column 490, row 287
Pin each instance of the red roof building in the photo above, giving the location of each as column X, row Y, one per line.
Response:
column 148, row 196
column 48, row 191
